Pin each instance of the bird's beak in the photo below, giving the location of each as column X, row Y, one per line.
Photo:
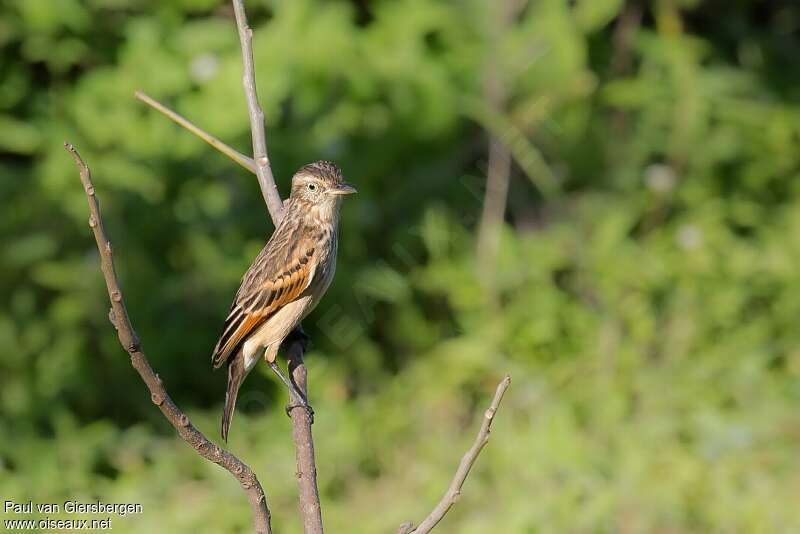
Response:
column 343, row 189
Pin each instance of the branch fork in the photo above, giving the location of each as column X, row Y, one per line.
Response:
column 259, row 164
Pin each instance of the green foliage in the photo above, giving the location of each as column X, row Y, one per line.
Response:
column 644, row 296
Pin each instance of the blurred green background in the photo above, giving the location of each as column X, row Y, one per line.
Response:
column 638, row 278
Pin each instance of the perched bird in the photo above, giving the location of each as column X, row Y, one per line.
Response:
column 286, row 280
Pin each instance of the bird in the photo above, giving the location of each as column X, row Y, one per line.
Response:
column 285, row 281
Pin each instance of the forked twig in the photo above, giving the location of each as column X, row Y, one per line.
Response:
column 301, row 419
column 310, row 508
column 232, row 153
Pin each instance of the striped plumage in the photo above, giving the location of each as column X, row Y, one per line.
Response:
column 287, row 278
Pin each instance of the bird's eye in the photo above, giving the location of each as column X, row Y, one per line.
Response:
column 312, row 187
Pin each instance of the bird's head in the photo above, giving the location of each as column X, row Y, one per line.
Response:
column 320, row 183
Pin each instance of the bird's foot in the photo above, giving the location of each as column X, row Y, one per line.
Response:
column 299, row 402
column 297, row 399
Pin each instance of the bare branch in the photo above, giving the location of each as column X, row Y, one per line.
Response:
column 158, row 394
column 310, row 508
column 263, row 169
column 302, row 419
column 454, row 491
column 232, row 153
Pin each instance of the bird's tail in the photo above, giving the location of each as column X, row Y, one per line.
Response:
column 236, row 374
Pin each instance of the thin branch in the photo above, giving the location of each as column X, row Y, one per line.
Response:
column 304, row 443
column 232, row 153
column 310, row 508
column 454, row 491
column 158, row 393
column 263, row 169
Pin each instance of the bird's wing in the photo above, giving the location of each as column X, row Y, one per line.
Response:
column 280, row 274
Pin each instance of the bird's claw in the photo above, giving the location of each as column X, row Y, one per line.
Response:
column 300, row 404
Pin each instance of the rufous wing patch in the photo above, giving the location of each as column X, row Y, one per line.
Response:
column 252, row 308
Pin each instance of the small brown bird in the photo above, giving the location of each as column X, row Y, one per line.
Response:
column 287, row 279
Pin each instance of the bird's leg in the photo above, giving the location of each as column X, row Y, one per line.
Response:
column 303, row 400
column 295, row 345
column 297, row 398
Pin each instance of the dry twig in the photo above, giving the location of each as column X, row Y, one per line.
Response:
column 310, row 508
column 158, row 393
column 304, row 443
column 263, row 168
column 309, row 503
column 232, row 153
column 454, row 491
